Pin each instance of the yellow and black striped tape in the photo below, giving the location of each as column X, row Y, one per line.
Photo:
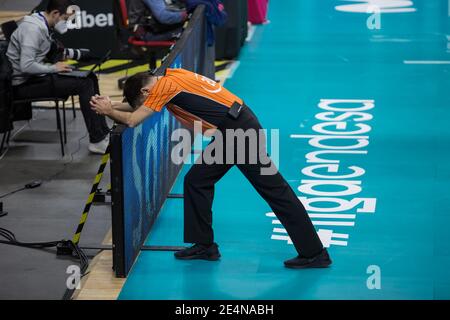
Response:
column 87, row 207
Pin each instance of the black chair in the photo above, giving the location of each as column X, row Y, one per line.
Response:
column 8, row 28
column 9, row 101
column 150, row 49
column 62, row 130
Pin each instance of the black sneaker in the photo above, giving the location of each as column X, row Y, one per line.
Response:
column 322, row 260
column 199, row 251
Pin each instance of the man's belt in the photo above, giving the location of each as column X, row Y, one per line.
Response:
column 236, row 109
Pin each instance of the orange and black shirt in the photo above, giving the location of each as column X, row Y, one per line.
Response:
column 191, row 97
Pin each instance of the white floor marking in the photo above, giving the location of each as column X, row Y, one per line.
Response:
column 426, row 61
column 333, row 223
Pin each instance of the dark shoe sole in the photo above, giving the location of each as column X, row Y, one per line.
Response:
column 213, row 257
column 314, row 264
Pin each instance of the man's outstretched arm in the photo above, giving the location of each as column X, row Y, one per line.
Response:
column 131, row 119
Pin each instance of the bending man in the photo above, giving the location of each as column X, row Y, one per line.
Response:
column 190, row 97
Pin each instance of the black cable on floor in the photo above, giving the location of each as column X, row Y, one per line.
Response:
column 37, row 183
column 67, row 244
column 69, row 247
column 84, row 264
column 53, row 176
column 31, row 185
column 12, row 192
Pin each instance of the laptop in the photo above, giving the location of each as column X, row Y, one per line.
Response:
column 86, row 73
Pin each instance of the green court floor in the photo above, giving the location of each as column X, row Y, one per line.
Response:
column 391, row 238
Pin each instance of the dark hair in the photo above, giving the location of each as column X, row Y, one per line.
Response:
column 60, row 5
column 132, row 88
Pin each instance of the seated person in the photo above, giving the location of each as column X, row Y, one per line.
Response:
column 154, row 20
column 29, row 46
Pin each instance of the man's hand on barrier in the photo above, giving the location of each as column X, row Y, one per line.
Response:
column 63, row 67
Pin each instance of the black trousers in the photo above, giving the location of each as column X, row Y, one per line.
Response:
column 64, row 86
column 199, row 193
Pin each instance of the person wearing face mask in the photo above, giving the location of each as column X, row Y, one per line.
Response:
column 28, row 53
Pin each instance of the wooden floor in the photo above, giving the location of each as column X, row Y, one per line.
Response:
column 11, row 15
column 100, row 283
